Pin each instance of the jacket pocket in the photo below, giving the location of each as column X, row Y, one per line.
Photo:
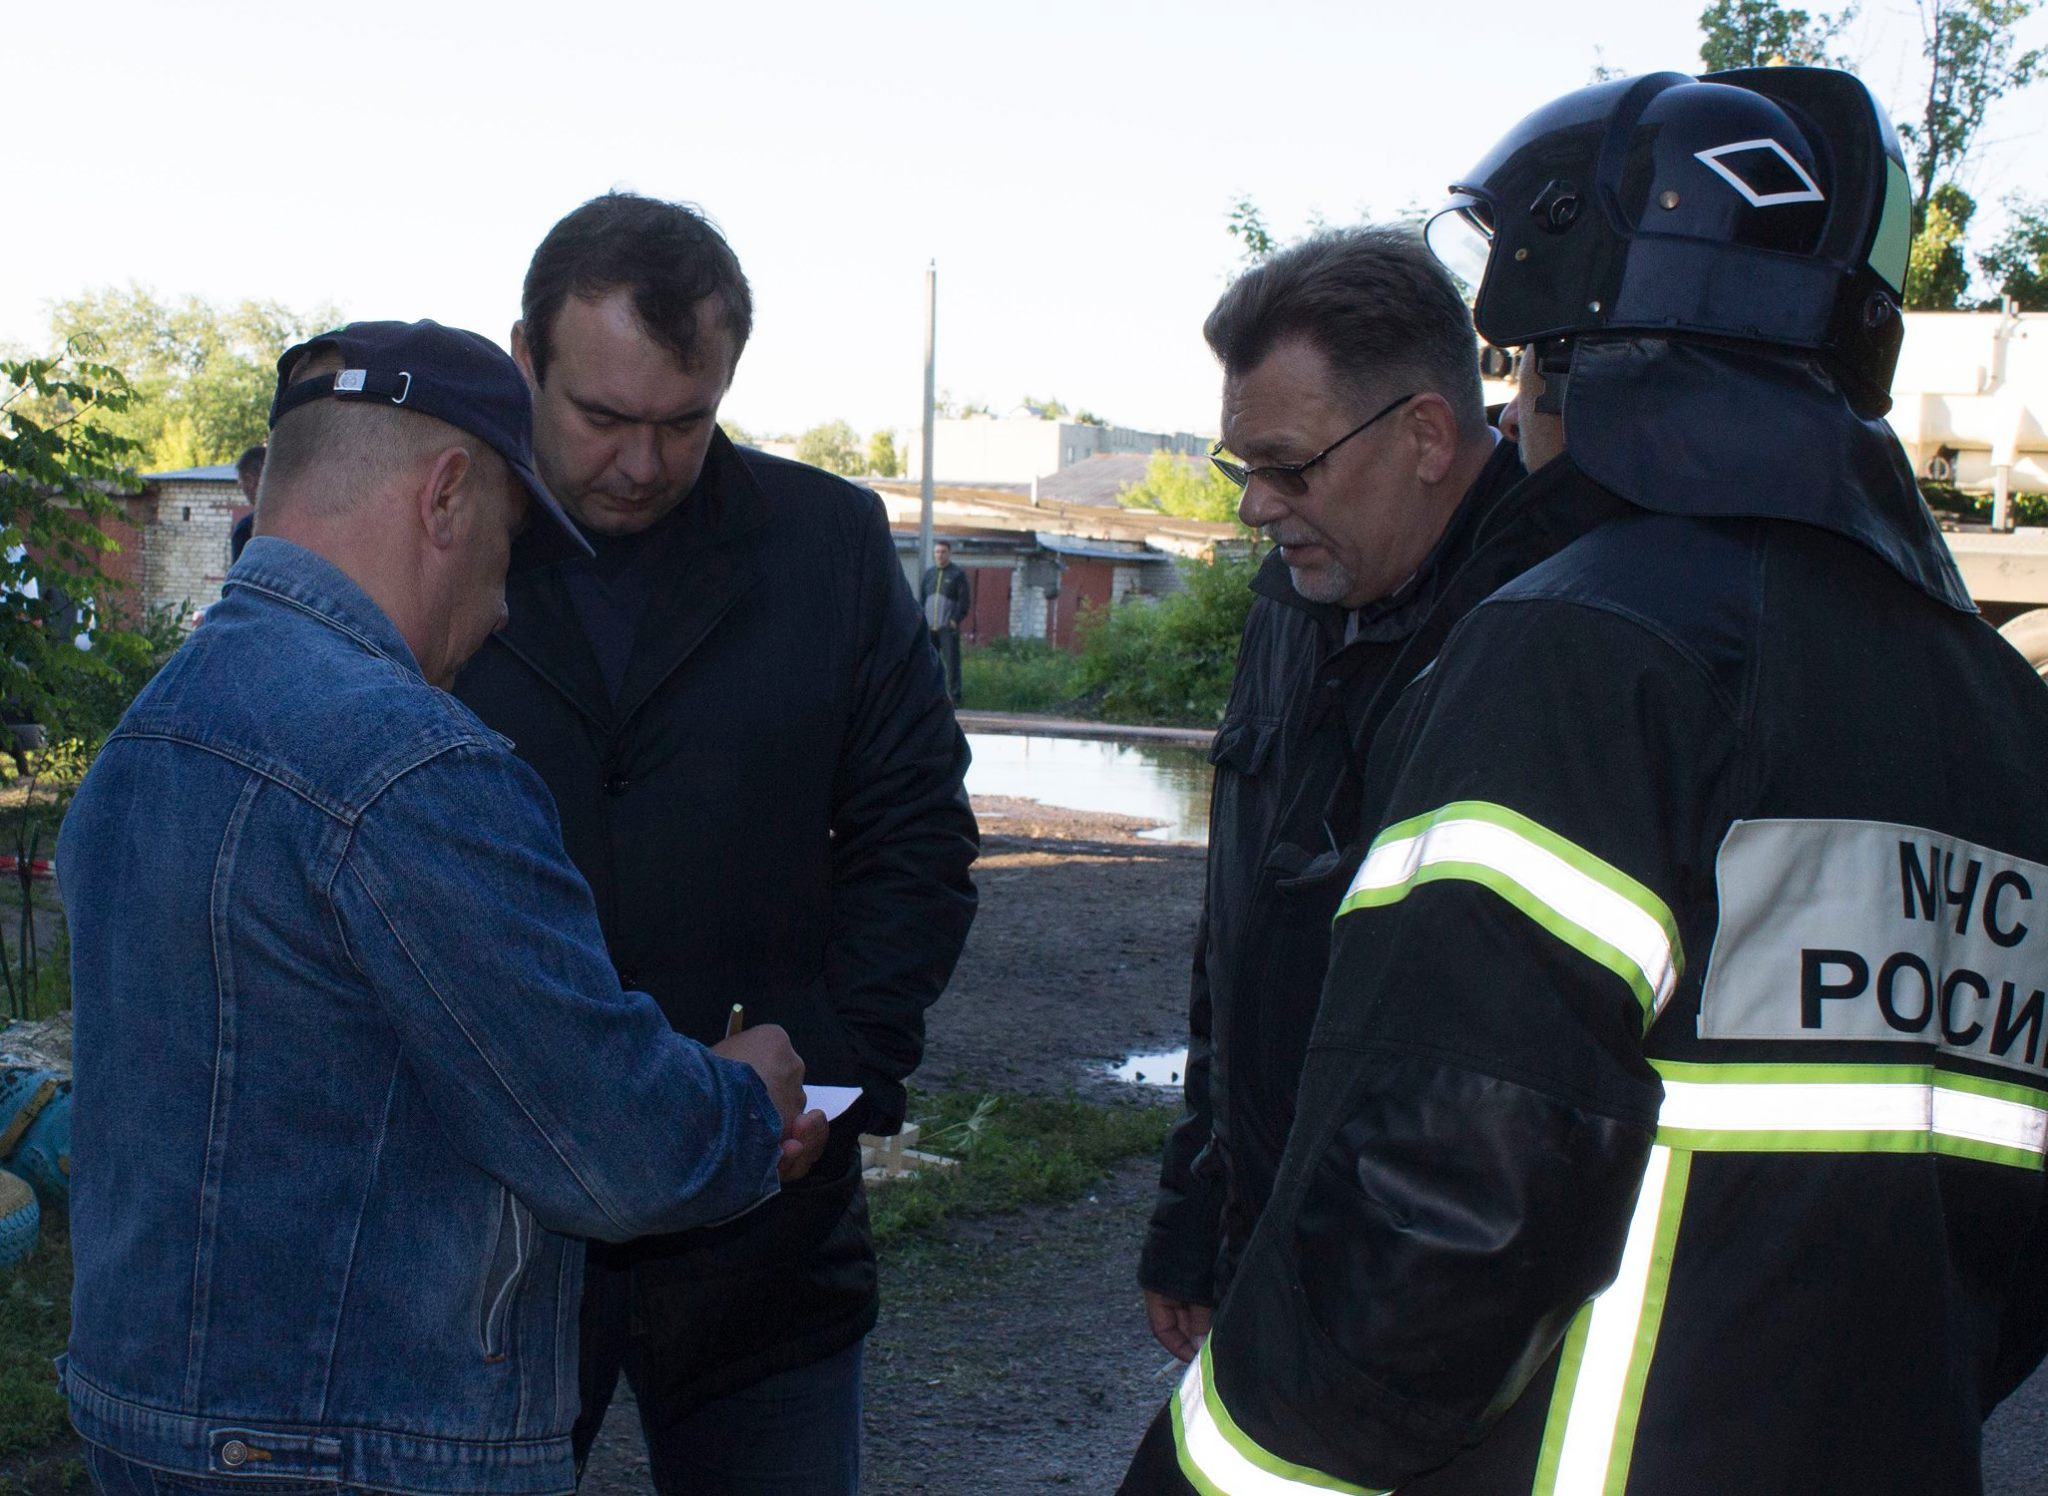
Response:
column 1243, row 744
column 513, row 1237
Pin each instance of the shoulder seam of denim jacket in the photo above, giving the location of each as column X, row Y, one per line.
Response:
column 546, row 1134
column 338, row 625
column 276, row 774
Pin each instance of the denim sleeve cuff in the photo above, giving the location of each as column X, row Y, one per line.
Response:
column 764, row 1108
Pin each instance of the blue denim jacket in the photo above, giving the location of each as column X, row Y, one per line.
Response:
column 353, row 1071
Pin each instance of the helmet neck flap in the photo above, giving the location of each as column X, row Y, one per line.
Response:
column 1725, row 432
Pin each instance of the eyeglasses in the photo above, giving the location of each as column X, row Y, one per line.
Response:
column 1286, row 478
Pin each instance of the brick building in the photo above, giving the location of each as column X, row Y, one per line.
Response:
column 1032, row 567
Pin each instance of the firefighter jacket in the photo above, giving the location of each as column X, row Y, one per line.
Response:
column 1674, row 1119
column 1288, row 760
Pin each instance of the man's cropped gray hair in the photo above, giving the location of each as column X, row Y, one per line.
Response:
column 1373, row 300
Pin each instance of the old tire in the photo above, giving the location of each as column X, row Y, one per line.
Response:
column 38, row 1146
column 21, row 1219
column 2028, row 634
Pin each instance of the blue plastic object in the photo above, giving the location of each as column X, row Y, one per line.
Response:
column 21, row 1219
column 42, row 1153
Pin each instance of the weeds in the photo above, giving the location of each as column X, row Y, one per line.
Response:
column 1014, row 1151
column 1018, row 675
column 35, row 1321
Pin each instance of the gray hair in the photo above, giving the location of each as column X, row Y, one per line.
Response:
column 1376, row 304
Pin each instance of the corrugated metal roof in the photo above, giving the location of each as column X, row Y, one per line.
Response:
column 223, row 472
column 1105, row 550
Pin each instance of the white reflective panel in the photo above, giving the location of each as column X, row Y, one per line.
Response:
column 1460, row 241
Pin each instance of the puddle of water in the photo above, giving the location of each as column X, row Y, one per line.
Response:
column 1166, row 1068
column 1165, row 782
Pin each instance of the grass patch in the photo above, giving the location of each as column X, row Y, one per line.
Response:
column 1018, row 675
column 35, row 1321
column 1014, row 1151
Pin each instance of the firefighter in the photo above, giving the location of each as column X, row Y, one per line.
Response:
column 1674, row 1119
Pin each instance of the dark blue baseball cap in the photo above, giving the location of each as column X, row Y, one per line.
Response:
column 444, row 372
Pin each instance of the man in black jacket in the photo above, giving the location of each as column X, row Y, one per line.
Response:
column 1352, row 398
column 737, row 708
column 1673, row 1121
column 946, row 601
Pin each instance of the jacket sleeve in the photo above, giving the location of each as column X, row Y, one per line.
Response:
column 1182, row 1240
column 479, row 940
column 962, row 596
column 903, row 837
column 1473, row 1145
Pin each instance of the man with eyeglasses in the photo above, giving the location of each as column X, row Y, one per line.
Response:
column 1673, row 1123
column 1354, row 422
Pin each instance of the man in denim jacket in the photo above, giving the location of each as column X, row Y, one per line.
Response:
column 350, row 1053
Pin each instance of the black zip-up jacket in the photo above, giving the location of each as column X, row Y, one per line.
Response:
column 951, row 579
column 1288, row 756
column 1675, row 1116
column 770, row 813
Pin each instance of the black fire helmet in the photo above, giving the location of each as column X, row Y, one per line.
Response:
column 1763, row 206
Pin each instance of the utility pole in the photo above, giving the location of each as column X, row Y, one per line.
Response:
column 931, row 317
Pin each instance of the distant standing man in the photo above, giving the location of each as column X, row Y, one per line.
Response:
column 1353, row 413
column 248, row 473
column 946, row 604
column 756, row 768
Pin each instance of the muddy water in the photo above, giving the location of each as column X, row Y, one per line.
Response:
column 1165, row 1067
column 1164, row 782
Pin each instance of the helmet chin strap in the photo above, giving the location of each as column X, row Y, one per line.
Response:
column 1554, row 362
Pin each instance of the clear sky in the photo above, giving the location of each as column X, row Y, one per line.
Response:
column 1069, row 166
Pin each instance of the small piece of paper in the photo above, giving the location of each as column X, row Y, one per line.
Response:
column 831, row 1100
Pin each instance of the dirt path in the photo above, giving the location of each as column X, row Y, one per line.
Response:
column 1078, row 956
column 1012, row 1354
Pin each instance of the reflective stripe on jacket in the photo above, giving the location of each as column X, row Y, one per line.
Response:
column 1674, row 1119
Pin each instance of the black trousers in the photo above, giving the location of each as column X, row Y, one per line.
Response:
column 947, row 642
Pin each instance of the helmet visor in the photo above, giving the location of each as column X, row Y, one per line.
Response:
column 1460, row 235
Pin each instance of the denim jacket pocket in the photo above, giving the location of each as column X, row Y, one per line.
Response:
column 514, row 1236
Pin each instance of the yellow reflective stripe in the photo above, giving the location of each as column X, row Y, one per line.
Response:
column 1587, row 1447
column 1589, row 904
column 1220, row 1459
column 1850, row 1109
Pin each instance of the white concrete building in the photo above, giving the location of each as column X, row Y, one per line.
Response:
column 1970, row 399
column 1013, row 450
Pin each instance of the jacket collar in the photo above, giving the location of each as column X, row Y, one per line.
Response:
column 1399, row 614
column 544, row 631
column 302, row 579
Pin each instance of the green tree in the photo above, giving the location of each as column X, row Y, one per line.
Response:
column 1937, row 275
column 66, row 664
column 1086, row 417
column 1051, row 408
column 1972, row 63
column 737, row 434
column 200, row 377
column 1169, row 661
column 1188, row 488
column 833, row 446
column 60, row 460
column 883, row 461
column 1603, row 71
column 1757, row 33
column 2017, row 264
column 1248, row 228
column 948, row 408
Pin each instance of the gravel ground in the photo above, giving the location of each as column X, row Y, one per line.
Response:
column 1012, row 1353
